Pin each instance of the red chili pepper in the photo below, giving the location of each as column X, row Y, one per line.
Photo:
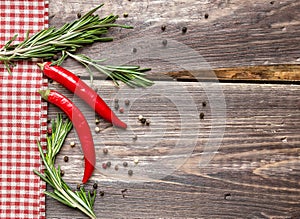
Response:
column 81, row 126
column 81, row 89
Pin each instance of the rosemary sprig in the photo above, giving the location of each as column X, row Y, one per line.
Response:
column 133, row 76
column 61, row 191
column 71, row 36
column 58, row 42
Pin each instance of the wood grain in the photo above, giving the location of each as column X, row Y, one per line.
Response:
column 255, row 171
column 265, row 73
column 253, row 174
column 235, row 34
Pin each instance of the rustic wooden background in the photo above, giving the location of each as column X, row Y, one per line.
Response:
column 253, row 111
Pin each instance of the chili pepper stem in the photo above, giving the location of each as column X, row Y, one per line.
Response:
column 41, row 65
column 44, row 94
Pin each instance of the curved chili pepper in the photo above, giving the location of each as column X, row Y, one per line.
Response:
column 82, row 90
column 81, row 126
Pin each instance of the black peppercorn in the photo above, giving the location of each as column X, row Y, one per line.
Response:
column 201, row 116
column 147, row 122
column 164, row 42
column 125, row 14
column 127, row 102
column 134, row 50
column 206, row 16
column 66, row 158
column 125, row 164
column 117, row 106
column 204, row 104
column 184, row 29
column 163, row 27
column 130, row 172
column 108, row 164
column 101, row 193
column 105, row 151
column 134, row 137
column 95, row 186
column 143, row 120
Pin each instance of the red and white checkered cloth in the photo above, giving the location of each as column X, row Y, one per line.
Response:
column 22, row 116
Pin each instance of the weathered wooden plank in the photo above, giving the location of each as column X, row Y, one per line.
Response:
column 264, row 73
column 225, row 34
column 253, row 174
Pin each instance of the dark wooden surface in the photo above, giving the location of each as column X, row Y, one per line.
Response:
column 235, row 34
column 255, row 170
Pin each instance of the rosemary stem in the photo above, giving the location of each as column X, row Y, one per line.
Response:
column 18, row 52
column 76, row 205
column 79, row 59
column 66, row 40
column 52, row 175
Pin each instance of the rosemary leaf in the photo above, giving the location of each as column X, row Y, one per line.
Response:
column 10, row 41
column 43, row 178
column 86, row 30
column 6, row 64
column 52, row 176
column 85, row 197
column 130, row 75
column 55, row 196
column 92, row 199
column 66, row 40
